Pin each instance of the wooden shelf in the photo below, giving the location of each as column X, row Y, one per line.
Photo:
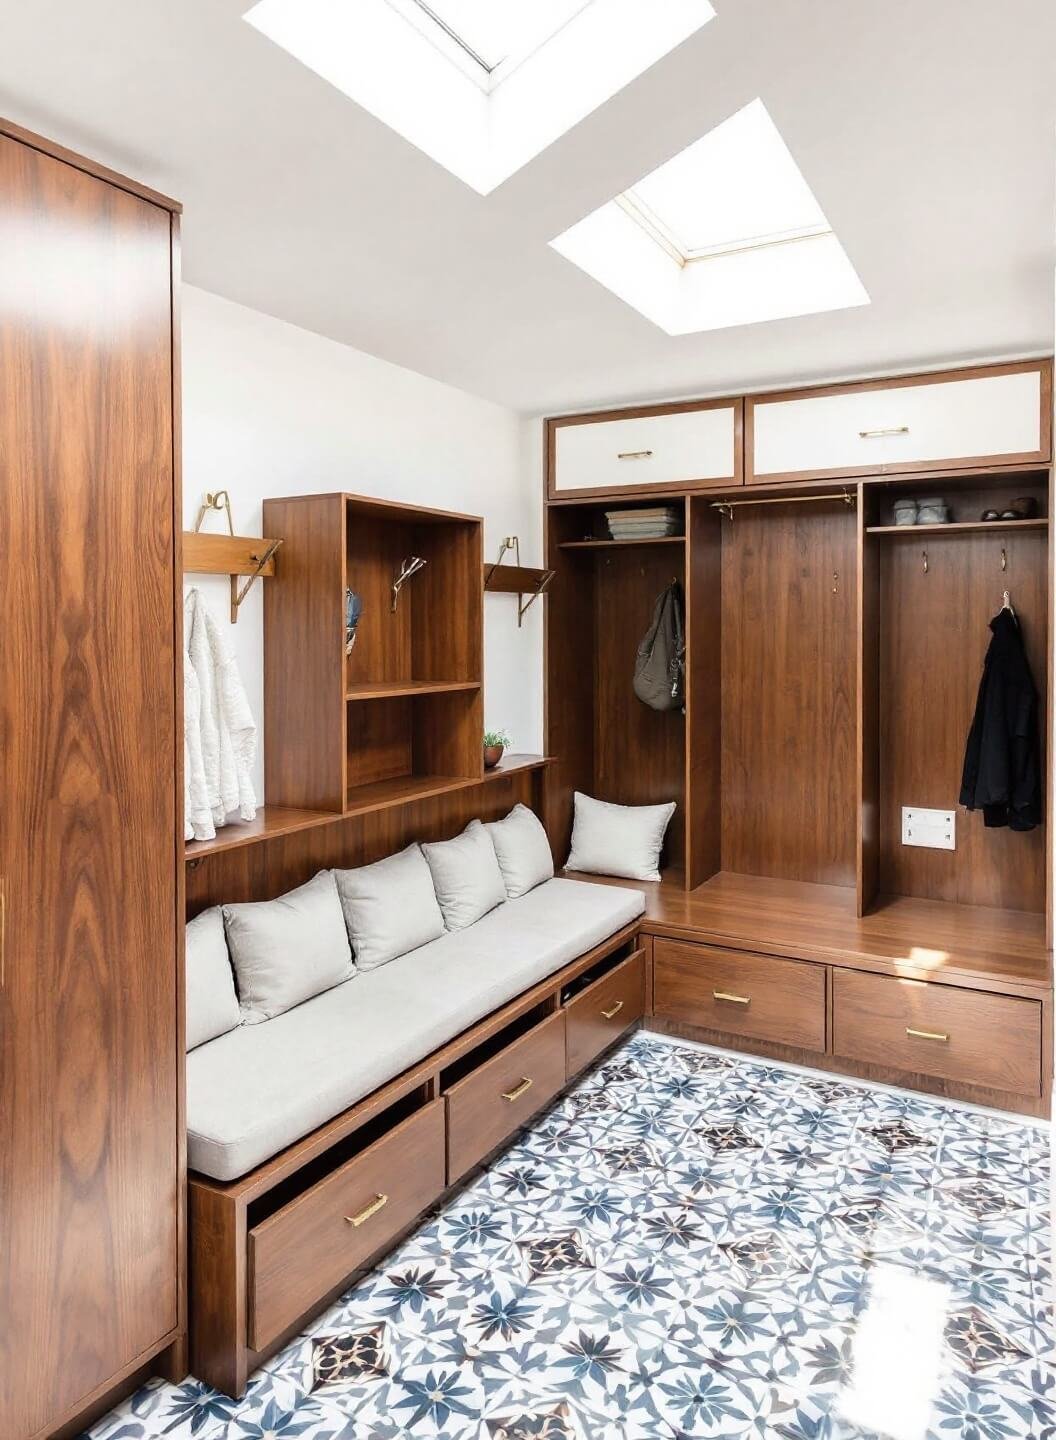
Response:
column 271, row 822
column 274, row 821
column 968, row 945
column 620, row 544
column 956, row 527
column 391, row 689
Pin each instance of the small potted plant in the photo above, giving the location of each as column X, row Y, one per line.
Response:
column 495, row 742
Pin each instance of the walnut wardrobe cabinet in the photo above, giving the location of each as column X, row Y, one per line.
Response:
column 91, row 1155
column 833, row 660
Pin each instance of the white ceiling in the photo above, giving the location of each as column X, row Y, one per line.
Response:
column 926, row 130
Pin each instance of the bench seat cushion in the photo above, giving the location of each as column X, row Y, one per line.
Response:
column 254, row 1091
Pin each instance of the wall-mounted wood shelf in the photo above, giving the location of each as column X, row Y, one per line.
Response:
column 274, row 821
column 956, row 527
column 389, row 690
column 621, row 544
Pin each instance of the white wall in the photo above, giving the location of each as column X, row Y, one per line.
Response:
column 270, row 409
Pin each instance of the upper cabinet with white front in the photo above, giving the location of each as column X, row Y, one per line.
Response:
column 994, row 415
column 637, row 452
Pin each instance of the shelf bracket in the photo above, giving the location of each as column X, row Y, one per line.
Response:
column 517, row 579
column 231, row 555
column 238, row 594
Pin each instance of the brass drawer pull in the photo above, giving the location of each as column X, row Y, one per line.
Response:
column 518, row 1090
column 378, row 1203
column 612, row 1011
column 733, row 999
column 875, row 434
column 928, row 1035
column 634, row 455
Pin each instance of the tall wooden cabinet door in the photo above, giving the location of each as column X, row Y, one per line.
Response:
column 88, row 1029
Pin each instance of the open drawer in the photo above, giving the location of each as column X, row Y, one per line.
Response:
column 493, row 1101
column 324, row 1235
column 597, row 1016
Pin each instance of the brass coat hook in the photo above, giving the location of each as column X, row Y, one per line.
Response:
column 1004, row 558
column 925, row 555
column 408, row 567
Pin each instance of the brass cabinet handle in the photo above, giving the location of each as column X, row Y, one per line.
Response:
column 518, row 1090
column 733, row 999
column 612, row 1010
column 891, row 430
column 928, row 1035
column 634, row 455
column 378, row 1203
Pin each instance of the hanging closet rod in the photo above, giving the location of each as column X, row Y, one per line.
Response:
column 727, row 507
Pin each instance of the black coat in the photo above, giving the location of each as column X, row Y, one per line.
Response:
column 1002, row 762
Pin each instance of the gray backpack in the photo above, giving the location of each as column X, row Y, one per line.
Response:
column 660, row 667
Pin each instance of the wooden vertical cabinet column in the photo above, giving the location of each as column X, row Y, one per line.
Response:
column 91, row 1155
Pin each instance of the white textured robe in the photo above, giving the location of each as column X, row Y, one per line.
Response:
column 220, row 734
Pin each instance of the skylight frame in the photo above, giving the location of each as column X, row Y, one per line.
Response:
column 659, row 231
column 460, row 52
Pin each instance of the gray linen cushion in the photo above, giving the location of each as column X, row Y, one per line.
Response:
column 257, row 1090
column 212, row 1005
column 622, row 840
column 466, row 876
column 390, row 907
column 285, row 951
column 522, row 850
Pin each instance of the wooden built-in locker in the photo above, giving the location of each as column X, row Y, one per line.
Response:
column 833, row 660
column 91, row 899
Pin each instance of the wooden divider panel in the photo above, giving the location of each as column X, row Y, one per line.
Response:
column 789, row 625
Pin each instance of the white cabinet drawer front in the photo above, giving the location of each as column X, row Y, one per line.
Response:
column 672, row 449
column 954, row 421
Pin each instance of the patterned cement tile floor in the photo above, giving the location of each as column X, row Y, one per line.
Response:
column 691, row 1244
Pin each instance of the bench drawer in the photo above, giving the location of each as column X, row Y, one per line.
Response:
column 597, row 1016
column 916, row 424
column 309, row 1246
column 963, row 1035
column 758, row 996
column 695, row 446
column 495, row 1100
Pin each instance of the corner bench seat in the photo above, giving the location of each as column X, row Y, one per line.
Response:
column 257, row 1089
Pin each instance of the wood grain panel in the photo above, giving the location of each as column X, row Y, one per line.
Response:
column 868, row 711
column 788, row 693
column 639, row 753
column 304, row 679
column 740, row 994
column 933, row 638
column 961, row 1035
column 599, row 1015
column 262, row 871
column 480, row 1111
column 310, row 1245
column 89, row 1062
column 703, row 701
column 568, row 693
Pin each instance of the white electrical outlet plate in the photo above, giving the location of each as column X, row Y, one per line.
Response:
column 934, row 829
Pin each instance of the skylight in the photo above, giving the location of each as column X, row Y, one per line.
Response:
column 481, row 86
column 494, row 34
column 728, row 232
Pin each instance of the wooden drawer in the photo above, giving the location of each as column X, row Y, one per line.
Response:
column 915, row 424
column 605, row 1010
column 781, row 1001
column 505, row 1092
column 695, row 445
column 963, row 1035
column 305, row 1249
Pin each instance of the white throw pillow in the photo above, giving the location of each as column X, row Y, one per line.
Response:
column 212, row 1005
column 466, row 876
column 522, row 850
column 623, row 840
column 390, row 907
column 285, row 951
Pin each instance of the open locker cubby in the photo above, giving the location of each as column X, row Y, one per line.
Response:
column 399, row 717
column 928, row 595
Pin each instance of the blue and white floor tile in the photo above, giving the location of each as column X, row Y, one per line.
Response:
column 691, row 1244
